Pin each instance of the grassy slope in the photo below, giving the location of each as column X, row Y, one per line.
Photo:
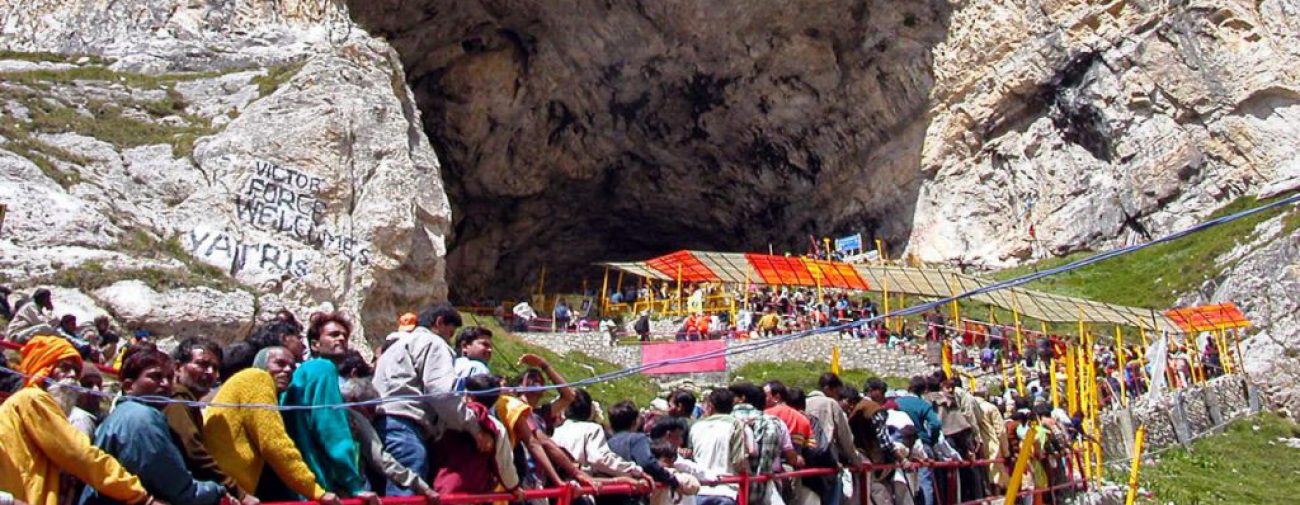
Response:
column 573, row 366
column 1154, row 277
column 639, row 388
column 1244, row 465
column 804, row 374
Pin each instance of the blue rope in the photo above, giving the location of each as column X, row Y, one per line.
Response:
column 747, row 347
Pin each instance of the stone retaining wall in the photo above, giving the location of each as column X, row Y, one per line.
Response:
column 1178, row 417
column 853, row 353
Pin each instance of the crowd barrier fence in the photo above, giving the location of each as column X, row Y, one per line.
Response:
column 564, row 495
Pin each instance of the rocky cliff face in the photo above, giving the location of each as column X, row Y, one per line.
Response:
column 581, row 131
column 1098, row 123
column 278, row 142
column 211, row 162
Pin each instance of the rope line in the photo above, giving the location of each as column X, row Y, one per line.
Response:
column 747, row 347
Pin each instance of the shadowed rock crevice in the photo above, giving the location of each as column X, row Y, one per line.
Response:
column 592, row 131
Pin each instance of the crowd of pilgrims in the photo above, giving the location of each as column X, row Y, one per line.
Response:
column 192, row 426
column 767, row 311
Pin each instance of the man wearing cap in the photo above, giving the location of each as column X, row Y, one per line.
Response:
column 419, row 364
column 407, row 322
column 38, row 441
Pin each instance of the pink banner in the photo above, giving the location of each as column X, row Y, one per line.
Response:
column 653, row 353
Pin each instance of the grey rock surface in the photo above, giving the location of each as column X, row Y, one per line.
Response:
column 205, row 156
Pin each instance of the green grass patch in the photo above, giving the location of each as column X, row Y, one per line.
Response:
column 804, row 374
column 105, row 74
column 1156, row 276
column 40, row 56
column 507, row 349
column 110, row 123
column 43, row 156
column 1245, row 464
column 92, row 275
column 275, row 77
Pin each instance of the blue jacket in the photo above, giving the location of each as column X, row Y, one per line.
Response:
column 923, row 416
column 323, row 435
column 138, row 437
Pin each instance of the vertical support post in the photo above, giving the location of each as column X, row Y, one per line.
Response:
column 604, row 293
column 885, row 287
column 1136, row 466
column 1071, row 380
column 1123, row 368
column 680, row 300
column 1051, row 373
column 1022, row 463
column 742, row 495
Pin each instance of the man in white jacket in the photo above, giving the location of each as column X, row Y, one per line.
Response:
column 420, row 365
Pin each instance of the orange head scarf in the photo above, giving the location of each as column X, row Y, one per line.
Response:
column 41, row 354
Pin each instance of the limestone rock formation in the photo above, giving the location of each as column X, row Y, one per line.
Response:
column 209, row 160
column 1100, row 123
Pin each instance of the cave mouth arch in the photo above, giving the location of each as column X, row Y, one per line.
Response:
column 591, row 131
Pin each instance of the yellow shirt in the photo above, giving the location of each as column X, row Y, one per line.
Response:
column 512, row 410
column 37, row 442
column 244, row 440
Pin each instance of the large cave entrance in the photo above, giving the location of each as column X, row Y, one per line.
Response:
column 572, row 132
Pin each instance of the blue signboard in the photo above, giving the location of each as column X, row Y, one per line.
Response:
column 849, row 243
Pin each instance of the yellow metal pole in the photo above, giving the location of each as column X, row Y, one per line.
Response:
column 902, row 304
column 1071, row 380
column 1236, row 334
column 1136, row 467
column 1051, row 372
column 1022, row 463
column 1119, row 356
column 1020, row 347
column 1225, row 357
column 880, row 250
column 1002, row 367
column 604, row 293
column 541, row 283
column 680, row 300
column 885, row 287
column 945, row 354
column 1020, row 379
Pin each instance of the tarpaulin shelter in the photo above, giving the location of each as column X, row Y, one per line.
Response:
column 1220, row 316
column 742, row 268
column 930, row 282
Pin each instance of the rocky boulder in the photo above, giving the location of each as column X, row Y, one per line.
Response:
column 207, row 161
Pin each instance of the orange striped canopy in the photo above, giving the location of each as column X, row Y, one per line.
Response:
column 1209, row 317
column 753, row 268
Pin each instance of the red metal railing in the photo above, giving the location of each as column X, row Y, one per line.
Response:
column 564, row 495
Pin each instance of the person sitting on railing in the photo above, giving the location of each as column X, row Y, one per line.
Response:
column 531, row 443
column 585, row 441
column 136, row 433
column 39, row 443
